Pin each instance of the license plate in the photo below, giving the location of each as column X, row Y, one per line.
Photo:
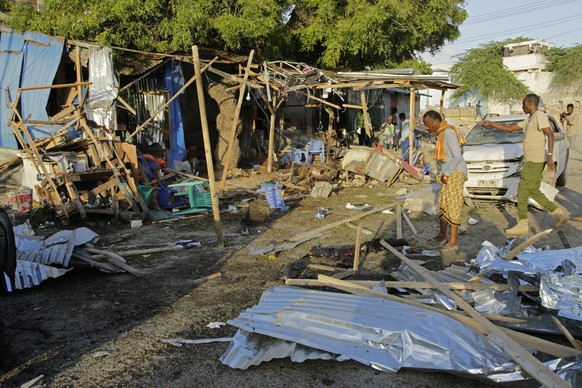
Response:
column 490, row 183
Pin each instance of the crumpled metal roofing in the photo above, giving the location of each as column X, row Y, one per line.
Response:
column 383, row 334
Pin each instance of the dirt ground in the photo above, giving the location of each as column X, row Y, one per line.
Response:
column 89, row 329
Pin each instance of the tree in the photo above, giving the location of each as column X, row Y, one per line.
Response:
column 334, row 34
column 481, row 71
column 566, row 66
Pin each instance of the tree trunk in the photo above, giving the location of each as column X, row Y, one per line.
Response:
column 227, row 105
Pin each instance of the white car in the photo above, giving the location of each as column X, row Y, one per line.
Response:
column 494, row 159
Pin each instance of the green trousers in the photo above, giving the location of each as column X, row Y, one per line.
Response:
column 529, row 187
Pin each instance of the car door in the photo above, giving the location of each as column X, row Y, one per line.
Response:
column 560, row 145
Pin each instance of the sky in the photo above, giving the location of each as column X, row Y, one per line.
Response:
column 555, row 21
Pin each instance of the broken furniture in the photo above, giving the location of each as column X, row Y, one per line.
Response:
column 315, row 147
column 198, row 193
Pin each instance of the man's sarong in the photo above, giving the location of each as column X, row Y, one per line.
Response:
column 451, row 198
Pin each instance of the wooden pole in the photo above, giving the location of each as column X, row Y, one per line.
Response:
column 329, row 132
column 207, row 149
column 365, row 113
column 272, row 135
column 412, row 124
column 241, row 96
column 358, row 247
column 442, row 102
column 78, row 73
column 398, row 221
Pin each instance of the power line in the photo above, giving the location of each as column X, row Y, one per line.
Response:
column 520, row 10
column 519, row 29
column 565, row 33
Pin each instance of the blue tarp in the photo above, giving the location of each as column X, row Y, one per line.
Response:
column 173, row 80
column 27, row 59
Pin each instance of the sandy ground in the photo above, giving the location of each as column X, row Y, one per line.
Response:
column 90, row 329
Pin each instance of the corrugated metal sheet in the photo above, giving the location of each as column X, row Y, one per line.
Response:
column 383, row 334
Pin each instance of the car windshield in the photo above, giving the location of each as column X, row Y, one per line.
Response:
column 479, row 135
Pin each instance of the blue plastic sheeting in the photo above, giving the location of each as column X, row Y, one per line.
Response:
column 173, row 80
column 27, row 59
column 11, row 45
column 42, row 56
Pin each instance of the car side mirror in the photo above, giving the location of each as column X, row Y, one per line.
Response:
column 559, row 136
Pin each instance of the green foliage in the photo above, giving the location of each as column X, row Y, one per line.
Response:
column 566, row 66
column 334, row 34
column 481, row 70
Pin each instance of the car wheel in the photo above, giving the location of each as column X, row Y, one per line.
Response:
column 561, row 181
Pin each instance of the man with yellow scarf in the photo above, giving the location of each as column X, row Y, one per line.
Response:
column 451, row 174
column 537, row 129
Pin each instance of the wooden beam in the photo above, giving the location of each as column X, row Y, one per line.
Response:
column 229, row 149
column 409, row 222
column 303, row 235
column 532, row 240
column 60, row 86
column 575, row 343
column 357, row 248
column 412, row 121
column 271, row 136
column 398, row 221
column 498, row 337
column 312, row 97
column 416, row 285
column 207, row 147
column 365, row 113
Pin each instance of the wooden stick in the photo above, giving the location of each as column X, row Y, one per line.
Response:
column 414, row 285
column 575, row 343
column 207, row 149
column 344, row 274
column 334, row 224
column 149, row 251
column 271, row 136
column 204, row 279
column 398, row 221
column 532, row 240
column 409, row 222
column 365, row 113
column 564, row 240
column 229, row 149
column 325, row 268
column 357, row 249
column 117, row 260
column 411, row 120
column 528, row 362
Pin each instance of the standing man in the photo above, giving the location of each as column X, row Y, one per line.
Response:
column 478, row 109
column 451, row 174
column 387, row 135
column 571, row 121
column 537, row 130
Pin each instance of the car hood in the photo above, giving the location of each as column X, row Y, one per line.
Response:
column 491, row 152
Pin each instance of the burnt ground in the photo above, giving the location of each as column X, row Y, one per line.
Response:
column 89, row 328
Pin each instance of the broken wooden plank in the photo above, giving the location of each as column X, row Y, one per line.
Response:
column 334, row 224
column 357, row 249
column 415, row 285
column 532, row 240
column 204, row 279
column 149, row 251
column 526, row 360
column 320, row 267
column 409, row 222
column 117, row 260
column 575, row 343
column 398, row 221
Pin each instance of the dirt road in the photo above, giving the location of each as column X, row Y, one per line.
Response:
column 93, row 329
